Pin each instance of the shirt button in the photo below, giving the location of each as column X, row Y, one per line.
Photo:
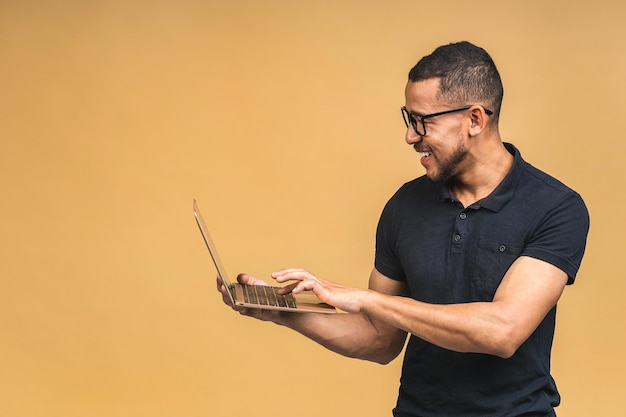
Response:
column 462, row 216
column 502, row 248
column 457, row 238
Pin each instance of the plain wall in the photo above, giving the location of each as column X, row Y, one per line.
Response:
column 283, row 119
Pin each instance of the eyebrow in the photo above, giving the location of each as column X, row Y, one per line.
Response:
column 415, row 113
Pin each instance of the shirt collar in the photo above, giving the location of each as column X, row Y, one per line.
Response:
column 503, row 192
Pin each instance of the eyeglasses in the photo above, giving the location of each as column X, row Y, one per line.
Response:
column 418, row 121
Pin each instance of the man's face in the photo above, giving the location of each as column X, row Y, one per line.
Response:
column 442, row 149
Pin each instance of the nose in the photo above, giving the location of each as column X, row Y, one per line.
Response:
column 411, row 137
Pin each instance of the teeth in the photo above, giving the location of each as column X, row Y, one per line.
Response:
column 424, row 154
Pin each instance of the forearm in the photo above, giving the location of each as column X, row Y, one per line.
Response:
column 351, row 335
column 470, row 327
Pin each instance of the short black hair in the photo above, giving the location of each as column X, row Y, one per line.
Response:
column 467, row 75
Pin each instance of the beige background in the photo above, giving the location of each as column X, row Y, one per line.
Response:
column 282, row 118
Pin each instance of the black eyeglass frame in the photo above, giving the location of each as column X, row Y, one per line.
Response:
column 409, row 118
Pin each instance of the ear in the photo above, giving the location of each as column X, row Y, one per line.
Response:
column 477, row 120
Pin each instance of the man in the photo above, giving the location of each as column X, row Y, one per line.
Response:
column 471, row 258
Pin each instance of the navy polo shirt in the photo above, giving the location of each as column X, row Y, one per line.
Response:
column 447, row 253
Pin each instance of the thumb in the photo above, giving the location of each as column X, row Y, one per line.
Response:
column 246, row 279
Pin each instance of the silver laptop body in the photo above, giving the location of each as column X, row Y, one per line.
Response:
column 259, row 296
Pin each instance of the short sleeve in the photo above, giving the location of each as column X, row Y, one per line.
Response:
column 386, row 260
column 561, row 237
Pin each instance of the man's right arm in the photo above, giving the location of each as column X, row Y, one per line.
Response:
column 352, row 335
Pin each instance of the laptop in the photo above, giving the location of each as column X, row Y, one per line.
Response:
column 260, row 296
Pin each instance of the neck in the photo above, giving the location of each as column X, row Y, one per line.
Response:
column 487, row 169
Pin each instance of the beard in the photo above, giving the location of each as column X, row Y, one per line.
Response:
column 448, row 166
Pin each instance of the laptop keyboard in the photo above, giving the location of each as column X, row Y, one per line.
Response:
column 267, row 296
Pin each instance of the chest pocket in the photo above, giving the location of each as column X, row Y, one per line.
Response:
column 493, row 259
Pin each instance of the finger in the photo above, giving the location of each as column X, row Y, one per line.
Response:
column 294, row 275
column 218, row 281
column 287, row 271
column 220, row 285
column 225, row 296
column 300, row 286
column 246, row 279
column 287, row 288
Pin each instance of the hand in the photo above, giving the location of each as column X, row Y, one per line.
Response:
column 242, row 279
column 265, row 315
column 344, row 298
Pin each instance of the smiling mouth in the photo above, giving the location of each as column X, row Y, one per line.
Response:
column 425, row 154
